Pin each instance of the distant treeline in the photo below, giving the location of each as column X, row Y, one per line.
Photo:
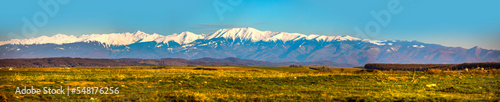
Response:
column 89, row 62
column 422, row 67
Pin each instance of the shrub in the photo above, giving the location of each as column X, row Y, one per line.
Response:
column 201, row 68
column 321, row 69
column 368, row 71
column 434, row 71
column 295, row 66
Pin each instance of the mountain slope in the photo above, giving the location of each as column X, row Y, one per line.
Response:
column 244, row 43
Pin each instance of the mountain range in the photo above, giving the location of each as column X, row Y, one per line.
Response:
column 243, row 43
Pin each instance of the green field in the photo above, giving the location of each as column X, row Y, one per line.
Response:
column 250, row 84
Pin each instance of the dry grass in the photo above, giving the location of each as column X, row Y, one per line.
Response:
column 253, row 84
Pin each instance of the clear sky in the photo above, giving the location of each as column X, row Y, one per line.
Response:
column 457, row 23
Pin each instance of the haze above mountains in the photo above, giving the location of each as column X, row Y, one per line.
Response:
column 243, row 43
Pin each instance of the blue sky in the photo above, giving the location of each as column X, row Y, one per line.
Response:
column 457, row 23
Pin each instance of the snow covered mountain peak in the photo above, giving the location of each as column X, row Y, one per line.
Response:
column 139, row 33
column 184, row 38
column 255, row 35
column 187, row 33
column 250, row 29
column 242, row 33
column 347, row 37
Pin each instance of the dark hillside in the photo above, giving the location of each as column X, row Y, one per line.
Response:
column 421, row 67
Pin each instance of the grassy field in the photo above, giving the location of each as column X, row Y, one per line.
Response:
column 251, row 84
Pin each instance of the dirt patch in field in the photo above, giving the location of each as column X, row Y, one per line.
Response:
column 1, row 86
column 80, row 83
column 397, row 78
column 46, row 82
column 130, row 82
column 423, row 77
